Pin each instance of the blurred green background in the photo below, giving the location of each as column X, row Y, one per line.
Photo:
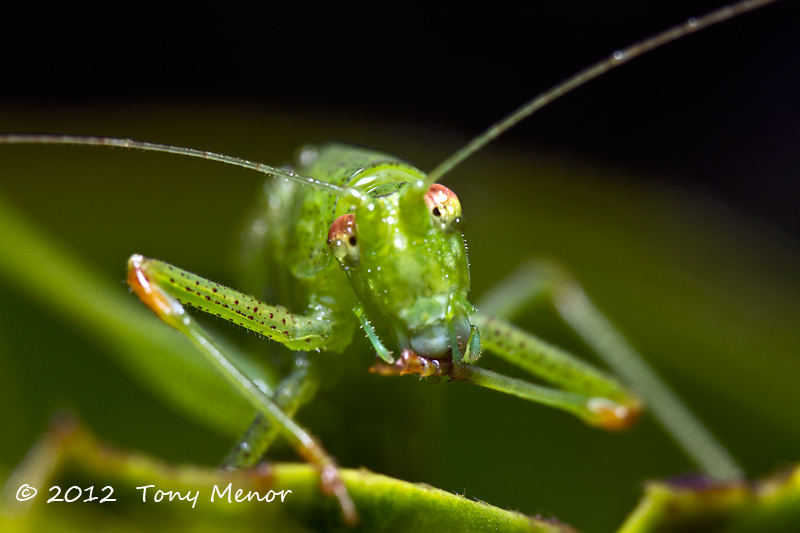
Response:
column 628, row 183
column 708, row 295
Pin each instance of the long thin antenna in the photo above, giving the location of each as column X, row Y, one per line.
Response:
column 616, row 59
column 38, row 138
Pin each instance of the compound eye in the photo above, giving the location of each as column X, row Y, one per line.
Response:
column 445, row 208
column 343, row 241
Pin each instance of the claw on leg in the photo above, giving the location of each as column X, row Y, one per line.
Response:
column 330, row 481
column 613, row 416
column 164, row 306
column 411, row 363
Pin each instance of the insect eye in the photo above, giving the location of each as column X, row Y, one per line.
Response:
column 445, row 208
column 343, row 241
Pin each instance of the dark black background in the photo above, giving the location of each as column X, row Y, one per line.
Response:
column 717, row 111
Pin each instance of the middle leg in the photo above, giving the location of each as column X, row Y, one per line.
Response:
column 289, row 395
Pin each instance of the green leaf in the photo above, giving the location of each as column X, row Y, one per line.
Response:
column 769, row 505
column 68, row 456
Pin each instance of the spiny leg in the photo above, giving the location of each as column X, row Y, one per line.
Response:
column 595, row 411
column 540, row 282
column 289, row 395
column 254, row 269
column 296, row 332
column 380, row 349
column 596, row 397
column 145, row 278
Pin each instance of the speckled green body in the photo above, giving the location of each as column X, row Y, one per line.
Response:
column 409, row 269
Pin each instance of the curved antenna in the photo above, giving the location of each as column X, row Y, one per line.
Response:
column 616, row 59
column 82, row 140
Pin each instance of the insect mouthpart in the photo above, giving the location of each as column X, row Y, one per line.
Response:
column 411, row 363
column 436, row 341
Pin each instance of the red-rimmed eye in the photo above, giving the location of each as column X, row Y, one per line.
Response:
column 445, row 208
column 343, row 241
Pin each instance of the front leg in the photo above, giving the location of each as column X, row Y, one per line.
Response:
column 594, row 396
column 157, row 285
column 538, row 283
column 296, row 332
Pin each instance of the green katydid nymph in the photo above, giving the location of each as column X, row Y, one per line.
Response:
column 352, row 236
